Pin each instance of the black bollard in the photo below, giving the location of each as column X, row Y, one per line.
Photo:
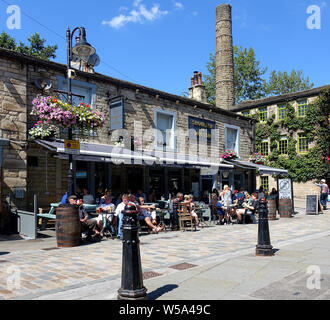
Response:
column 131, row 280
column 264, row 248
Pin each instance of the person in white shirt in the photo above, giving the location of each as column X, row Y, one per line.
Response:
column 107, row 209
column 324, row 193
column 121, row 206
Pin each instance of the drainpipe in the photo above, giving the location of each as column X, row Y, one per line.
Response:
column 3, row 142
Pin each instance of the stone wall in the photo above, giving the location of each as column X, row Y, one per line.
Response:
column 13, row 117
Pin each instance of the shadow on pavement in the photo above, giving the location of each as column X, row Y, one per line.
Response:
column 3, row 253
column 161, row 291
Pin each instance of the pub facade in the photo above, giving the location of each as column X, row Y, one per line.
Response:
column 152, row 140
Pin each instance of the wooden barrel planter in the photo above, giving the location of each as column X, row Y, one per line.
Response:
column 67, row 226
column 285, row 208
column 271, row 209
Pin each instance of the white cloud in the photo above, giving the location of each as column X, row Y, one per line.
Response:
column 178, row 5
column 138, row 15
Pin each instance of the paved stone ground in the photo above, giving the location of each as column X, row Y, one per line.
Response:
column 79, row 273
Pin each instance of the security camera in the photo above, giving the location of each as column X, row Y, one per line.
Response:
column 71, row 74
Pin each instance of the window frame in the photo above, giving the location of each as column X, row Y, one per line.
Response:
column 262, row 113
column 302, row 136
column 238, row 140
column 173, row 114
column 299, row 104
column 280, row 110
column 284, row 138
column 62, row 84
column 261, row 148
column 262, row 180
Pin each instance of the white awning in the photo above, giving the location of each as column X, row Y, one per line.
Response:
column 262, row 168
column 117, row 155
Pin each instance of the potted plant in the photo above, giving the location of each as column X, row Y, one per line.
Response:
column 227, row 155
column 258, row 158
column 53, row 112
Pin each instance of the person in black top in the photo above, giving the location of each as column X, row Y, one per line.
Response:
column 88, row 225
column 174, row 214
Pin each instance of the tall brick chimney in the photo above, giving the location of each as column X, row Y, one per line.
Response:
column 197, row 90
column 225, row 97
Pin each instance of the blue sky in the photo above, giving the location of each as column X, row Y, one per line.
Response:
column 161, row 43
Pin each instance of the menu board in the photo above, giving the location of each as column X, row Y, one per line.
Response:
column 116, row 115
column 312, row 204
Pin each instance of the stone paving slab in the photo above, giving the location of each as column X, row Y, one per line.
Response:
column 43, row 271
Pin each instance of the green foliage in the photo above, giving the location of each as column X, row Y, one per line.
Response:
column 302, row 167
column 282, row 83
column 36, row 47
column 248, row 81
column 247, row 76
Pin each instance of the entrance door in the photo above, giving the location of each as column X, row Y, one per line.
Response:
column 156, row 182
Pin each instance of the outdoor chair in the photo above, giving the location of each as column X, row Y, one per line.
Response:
column 186, row 219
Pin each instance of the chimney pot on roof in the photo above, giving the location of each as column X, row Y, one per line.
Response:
column 197, row 90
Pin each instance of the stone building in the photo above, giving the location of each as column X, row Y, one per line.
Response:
column 276, row 107
column 40, row 167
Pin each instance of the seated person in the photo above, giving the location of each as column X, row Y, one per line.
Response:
column 249, row 207
column 148, row 214
column 190, row 199
column 108, row 208
column 221, row 211
column 88, row 225
column 239, row 198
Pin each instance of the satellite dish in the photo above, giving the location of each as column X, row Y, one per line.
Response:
column 43, row 84
column 94, row 60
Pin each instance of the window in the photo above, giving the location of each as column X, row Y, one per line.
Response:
column 85, row 90
column 165, row 123
column 283, row 146
column 302, row 143
column 302, row 108
column 263, row 148
column 263, row 114
column 264, row 182
column 281, row 111
column 232, row 142
column 246, row 113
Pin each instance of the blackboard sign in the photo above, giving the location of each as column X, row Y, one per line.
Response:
column 312, row 204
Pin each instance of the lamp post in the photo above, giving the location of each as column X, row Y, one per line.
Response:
column 83, row 50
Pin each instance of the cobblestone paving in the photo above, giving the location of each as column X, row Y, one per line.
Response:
column 41, row 271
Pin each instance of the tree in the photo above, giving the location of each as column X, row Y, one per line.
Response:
column 248, row 82
column 282, row 83
column 36, row 47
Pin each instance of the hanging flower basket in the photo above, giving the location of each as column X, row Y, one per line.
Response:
column 258, row 158
column 53, row 112
column 229, row 154
column 40, row 131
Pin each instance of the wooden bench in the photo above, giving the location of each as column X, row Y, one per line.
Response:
column 51, row 215
column 185, row 217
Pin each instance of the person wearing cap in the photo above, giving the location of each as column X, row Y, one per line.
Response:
column 324, row 193
column 88, row 225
